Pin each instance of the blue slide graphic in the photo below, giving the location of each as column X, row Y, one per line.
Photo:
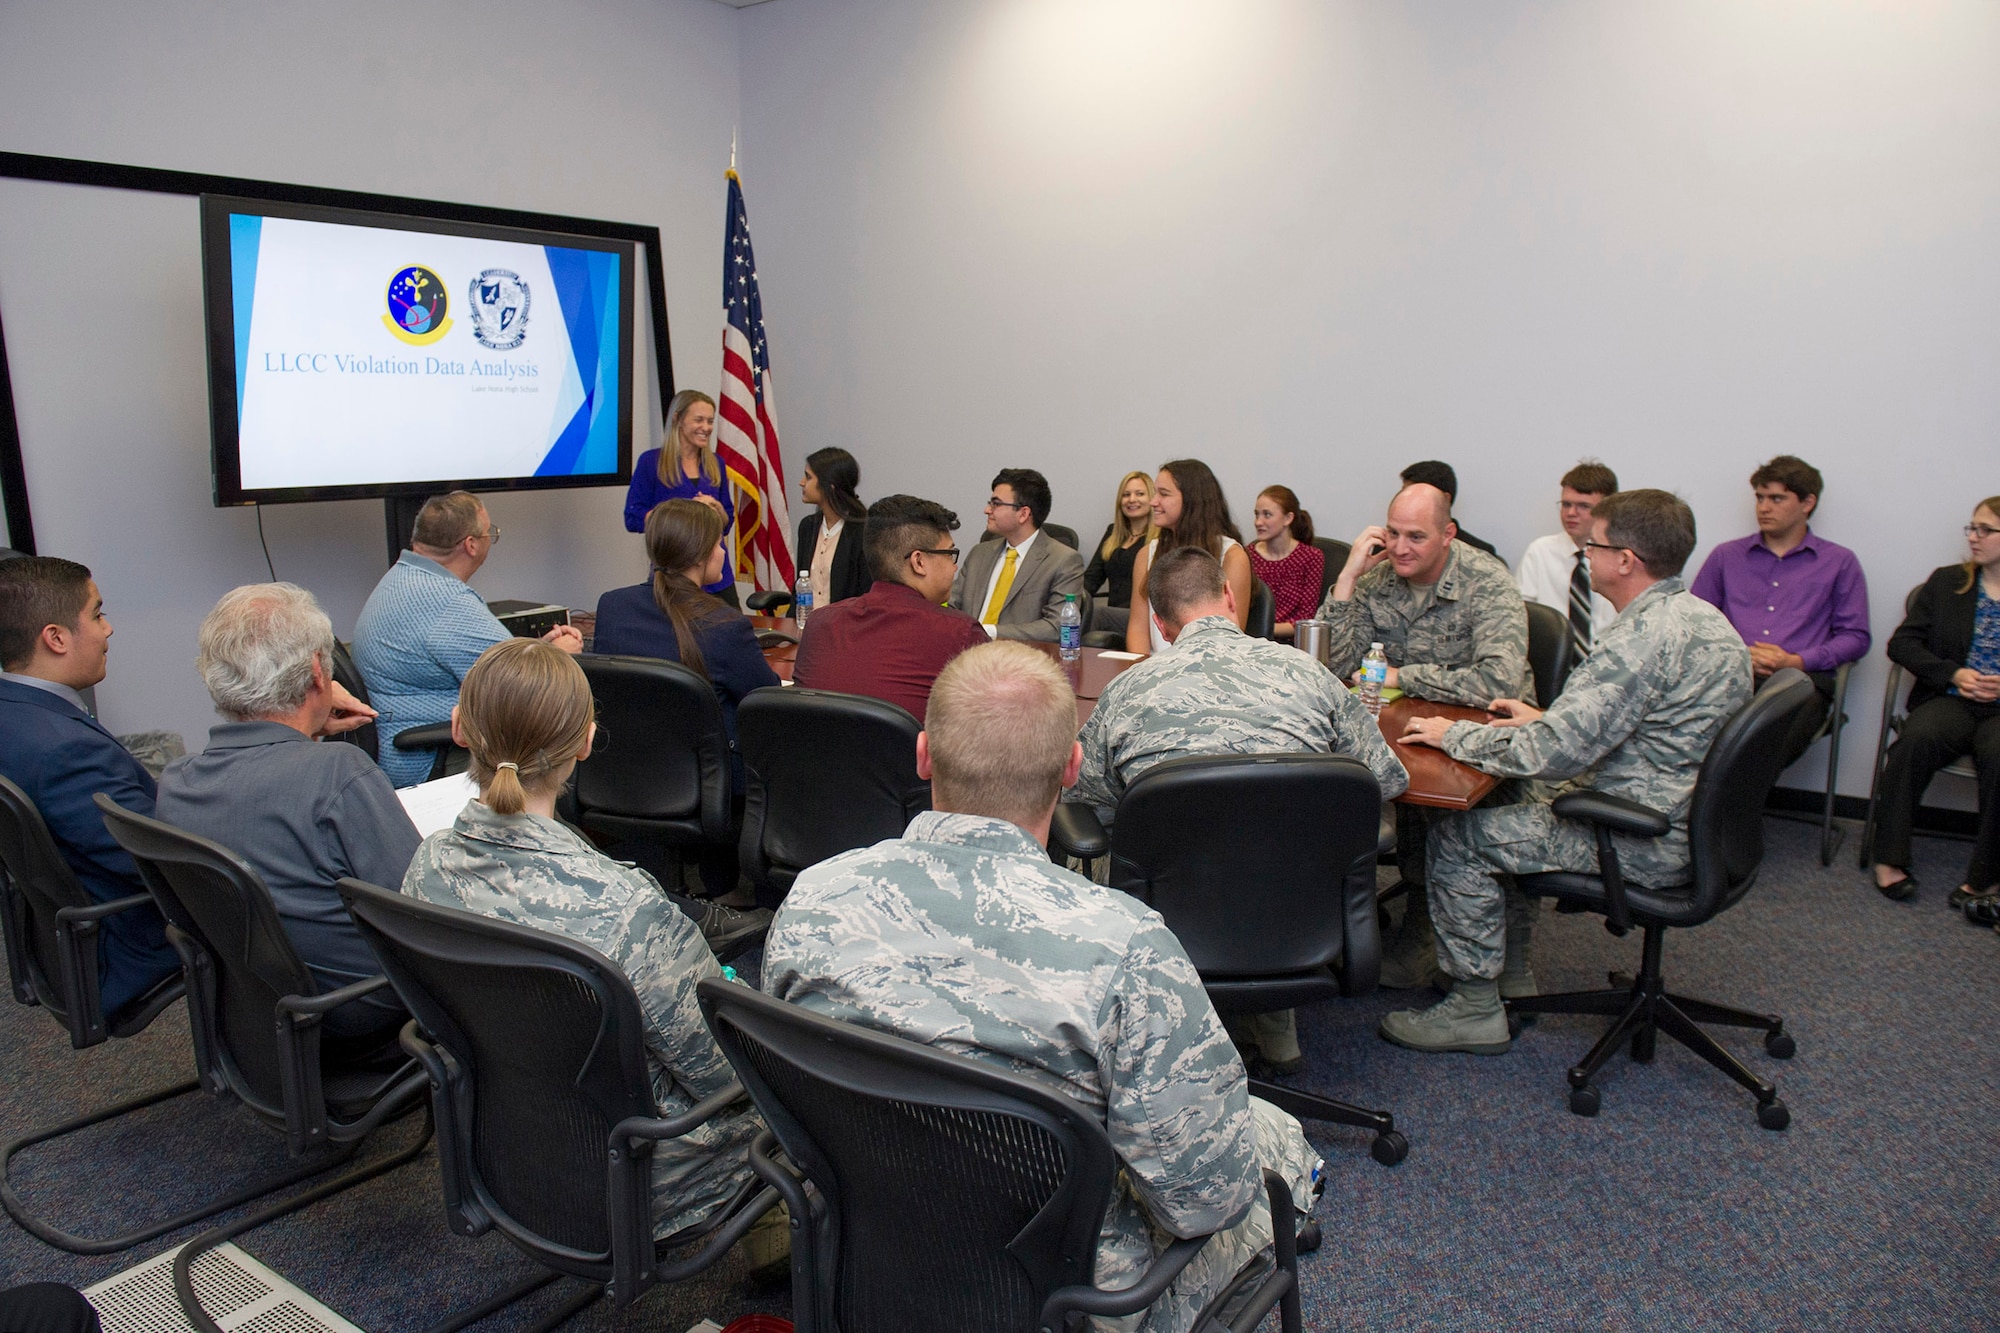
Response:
column 587, row 290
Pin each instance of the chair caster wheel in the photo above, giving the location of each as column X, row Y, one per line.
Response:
column 1773, row 1115
column 1780, row 1046
column 1513, row 1025
column 1583, row 1100
column 1309, row 1238
column 1389, row 1148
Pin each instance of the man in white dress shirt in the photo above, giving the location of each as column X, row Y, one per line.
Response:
column 1552, row 569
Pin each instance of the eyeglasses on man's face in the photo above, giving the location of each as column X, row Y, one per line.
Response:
column 492, row 534
column 995, row 502
column 951, row 551
column 1604, row 546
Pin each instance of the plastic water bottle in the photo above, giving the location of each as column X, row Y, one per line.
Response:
column 1070, row 635
column 802, row 599
column 1374, row 674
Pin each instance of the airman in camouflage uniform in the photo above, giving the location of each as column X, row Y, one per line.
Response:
column 536, row 872
column 1216, row 690
column 1461, row 640
column 1635, row 720
column 962, row 934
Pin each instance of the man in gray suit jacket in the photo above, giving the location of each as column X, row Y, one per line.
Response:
column 1014, row 587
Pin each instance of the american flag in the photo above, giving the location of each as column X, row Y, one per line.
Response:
column 746, row 429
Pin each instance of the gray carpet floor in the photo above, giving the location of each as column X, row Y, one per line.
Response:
column 1671, row 1210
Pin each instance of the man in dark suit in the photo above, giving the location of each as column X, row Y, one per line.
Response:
column 1015, row 587
column 54, row 640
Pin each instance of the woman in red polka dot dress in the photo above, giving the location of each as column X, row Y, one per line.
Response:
column 1284, row 557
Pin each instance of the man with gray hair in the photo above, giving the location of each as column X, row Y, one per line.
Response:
column 302, row 814
column 1635, row 720
column 963, row 935
column 1216, row 690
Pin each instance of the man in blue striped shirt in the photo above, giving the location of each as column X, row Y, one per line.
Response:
column 423, row 627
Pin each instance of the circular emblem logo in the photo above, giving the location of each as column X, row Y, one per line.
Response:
column 498, row 300
column 417, row 306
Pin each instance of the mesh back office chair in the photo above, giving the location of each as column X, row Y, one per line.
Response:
column 535, row 1046
column 951, row 1194
column 51, row 929
column 1192, row 841
column 254, row 1011
column 1549, row 659
column 1726, row 840
column 659, row 773
column 824, row 773
column 435, row 737
column 1894, row 719
column 1830, row 833
column 1261, row 621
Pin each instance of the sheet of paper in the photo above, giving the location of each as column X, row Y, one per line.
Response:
column 1121, row 656
column 434, row 805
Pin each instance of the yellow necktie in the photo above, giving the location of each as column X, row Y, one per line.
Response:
column 999, row 597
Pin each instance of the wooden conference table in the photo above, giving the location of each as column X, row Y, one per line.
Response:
column 1436, row 779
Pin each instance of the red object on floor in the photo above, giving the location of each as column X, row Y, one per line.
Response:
column 760, row 1323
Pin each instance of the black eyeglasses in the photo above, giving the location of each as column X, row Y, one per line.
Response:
column 995, row 502
column 1606, row 546
column 951, row 551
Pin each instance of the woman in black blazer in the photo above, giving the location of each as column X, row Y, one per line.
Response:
column 830, row 483
column 1950, row 642
column 671, row 617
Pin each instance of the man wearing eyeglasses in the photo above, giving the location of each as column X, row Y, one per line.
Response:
column 1016, row 585
column 1797, row 599
column 1635, row 720
column 891, row 642
column 423, row 627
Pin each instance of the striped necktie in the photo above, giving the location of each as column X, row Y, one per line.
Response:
column 1579, row 607
column 1000, row 587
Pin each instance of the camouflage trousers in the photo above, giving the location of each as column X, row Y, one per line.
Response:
column 1280, row 1146
column 1474, row 855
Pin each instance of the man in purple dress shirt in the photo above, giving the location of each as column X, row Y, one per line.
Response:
column 1797, row 599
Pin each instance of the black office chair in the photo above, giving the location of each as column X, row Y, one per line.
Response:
column 51, row 929
column 1830, row 833
column 1549, row 656
column 1726, row 839
column 1065, row 535
column 1336, row 559
column 950, row 1194
column 1266, row 931
column 447, row 757
column 254, row 1011
column 535, row 1046
column 659, row 772
column 1261, row 622
column 823, row 773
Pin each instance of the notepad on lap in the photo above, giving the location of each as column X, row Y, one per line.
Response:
column 434, row 805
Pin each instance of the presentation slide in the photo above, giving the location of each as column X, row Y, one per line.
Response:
column 368, row 356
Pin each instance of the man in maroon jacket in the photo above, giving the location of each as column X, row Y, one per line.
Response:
column 891, row 642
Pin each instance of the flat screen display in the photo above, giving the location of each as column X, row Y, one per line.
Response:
column 363, row 354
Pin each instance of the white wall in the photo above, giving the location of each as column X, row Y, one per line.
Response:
column 1311, row 242
column 616, row 109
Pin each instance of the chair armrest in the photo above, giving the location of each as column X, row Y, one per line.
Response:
column 76, row 956
column 450, row 1114
column 1612, row 812
column 433, row 737
column 629, row 1193
column 763, row 602
column 1152, row 1284
column 1075, row 830
column 298, row 1018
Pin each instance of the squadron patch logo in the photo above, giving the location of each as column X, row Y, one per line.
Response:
column 498, row 299
column 417, row 306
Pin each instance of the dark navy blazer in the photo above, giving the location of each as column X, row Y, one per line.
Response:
column 60, row 756
column 631, row 624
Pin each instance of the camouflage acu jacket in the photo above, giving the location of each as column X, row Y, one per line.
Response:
column 1216, row 690
column 536, row 872
column 1462, row 640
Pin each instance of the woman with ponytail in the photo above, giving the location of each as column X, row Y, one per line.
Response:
column 525, row 714
column 672, row 617
column 1285, row 558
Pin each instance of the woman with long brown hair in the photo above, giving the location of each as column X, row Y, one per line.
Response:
column 671, row 617
column 685, row 468
column 1950, row 643
column 1188, row 510
column 526, row 715
column 1108, row 579
column 1284, row 557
